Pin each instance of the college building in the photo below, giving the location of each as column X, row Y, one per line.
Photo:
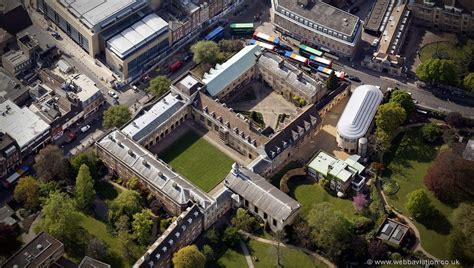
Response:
column 318, row 24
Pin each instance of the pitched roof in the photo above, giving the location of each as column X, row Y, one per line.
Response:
column 261, row 193
column 224, row 74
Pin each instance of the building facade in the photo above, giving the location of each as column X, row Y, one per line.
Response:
column 318, row 24
column 10, row 155
column 86, row 94
column 16, row 61
column 447, row 15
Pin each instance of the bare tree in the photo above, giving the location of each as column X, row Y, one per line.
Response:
column 280, row 239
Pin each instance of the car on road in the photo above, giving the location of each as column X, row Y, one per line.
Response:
column 85, row 128
column 175, row 66
column 188, row 56
column 113, row 94
column 56, row 35
column 375, row 42
column 354, row 78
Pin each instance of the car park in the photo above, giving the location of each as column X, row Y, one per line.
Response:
column 85, row 128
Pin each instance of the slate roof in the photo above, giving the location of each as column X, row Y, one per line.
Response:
column 261, row 193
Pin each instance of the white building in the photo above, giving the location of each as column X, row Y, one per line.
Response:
column 357, row 117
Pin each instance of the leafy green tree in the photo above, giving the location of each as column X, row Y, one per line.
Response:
column 439, row 71
column 189, row 257
column 331, row 230
column 126, row 203
column 27, row 192
column 205, row 52
column 8, row 239
column 461, row 238
column 231, row 236
column 454, row 119
column 159, row 85
column 116, row 116
column 59, row 217
column 380, row 143
column 468, row 82
column 332, row 82
column 419, row 205
column 89, row 158
column 431, row 132
column 142, row 226
column 50, row 164
column 208, row 253
column 213, row 236
column 122, row 224
column 230, row 45
column 97, row 249
column 404, row 99
column 389, row 117
column 133, row 183
column 85, row 191
column 130, row 250
column 243, row 220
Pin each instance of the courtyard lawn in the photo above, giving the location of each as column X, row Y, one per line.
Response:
column 229, row 258
column 407, row 165
column 197, row 160
column 310, row 193
column 265, row 255
column 98, row 229
column 443, row 50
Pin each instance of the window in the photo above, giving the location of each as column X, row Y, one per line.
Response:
column 265, row 216
column 255, row 209
column 246, row 203
column 274, row 222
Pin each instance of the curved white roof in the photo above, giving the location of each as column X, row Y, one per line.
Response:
column 359, row 112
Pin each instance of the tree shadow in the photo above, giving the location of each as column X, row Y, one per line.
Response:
column 437, row 222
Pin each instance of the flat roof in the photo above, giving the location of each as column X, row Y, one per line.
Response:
column 135, row 36
column 93, row 12
column 359, row 112
column 159, row 113
column 392, row 231
column 377, row 15
column 21, row 123
column 86, row 87
column 397, row 23
column 10, row 88
column 324, row 15
column 42, row 247
column 88, row 262
column 325, row 164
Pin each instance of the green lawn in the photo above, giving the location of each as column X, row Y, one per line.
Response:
column 444, row 50
column 309, row 193
column 229, row 258
column 267, row 256
column 197, row 160
column 98, row 229
column 408, row 165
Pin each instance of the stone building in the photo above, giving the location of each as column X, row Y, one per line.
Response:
column 10, row 155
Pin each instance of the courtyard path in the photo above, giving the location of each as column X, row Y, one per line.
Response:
column 246, row 251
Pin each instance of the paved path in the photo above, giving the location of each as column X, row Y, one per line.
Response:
column 273, row 242
column 248, row 258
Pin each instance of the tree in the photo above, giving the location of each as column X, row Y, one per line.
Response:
column 389, row 117
column 142, row 226
column 230, row 45
column 89, row 158
column 359, row 202
column 439, row 71
column 126, row 203
column 155, row 207
column 133, row 183
column 208, row 253
column 213, row 236
column 189, row 257
column 380, row 143
column 122, row 224
column 85, row 191
column 243, row 220
column 116, row 116
column 431, row 132
column 300, row 234
column 449, row 177
column 97, row 249
column 231, row 236
column 205, row 52
column 404, row 99
column 454, row 119
column 377, row 250
column 50, row 164
column 331, row 230
column 27, row 192
column 468, row 82
column 461, row 238
column 419, row 205
column 279, row 237
column 159, row 86
column 332, row 82
column 8, row 239
column 129, row 249
column 59, row 217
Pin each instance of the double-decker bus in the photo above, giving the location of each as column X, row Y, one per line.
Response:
column 266, row 38
column 262, row 44
column 215, row 34
column 321, row 61
column 296, row 57
column 325, row 70
column 242, row 28
column 309, row 51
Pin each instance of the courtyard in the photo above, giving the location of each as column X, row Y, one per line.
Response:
column 197, row 160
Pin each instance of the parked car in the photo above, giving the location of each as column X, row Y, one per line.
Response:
column 354, row 78
column 176, row 65
column 113, row 94
column 188, row 56
column 85, row 128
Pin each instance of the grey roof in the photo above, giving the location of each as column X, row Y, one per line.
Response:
column 6, row 214
column 88, row 262
column 92, row 12
column 289, row 74
column 392, row 231
column 143, row 125
column 10, row 88
column 324, row 15
column 147, row 167
column 295, row 130
column 261, row 193
column 377, row 15
column 468, row 152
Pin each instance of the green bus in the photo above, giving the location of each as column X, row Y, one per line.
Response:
column 307, row 51
column 242, row 28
